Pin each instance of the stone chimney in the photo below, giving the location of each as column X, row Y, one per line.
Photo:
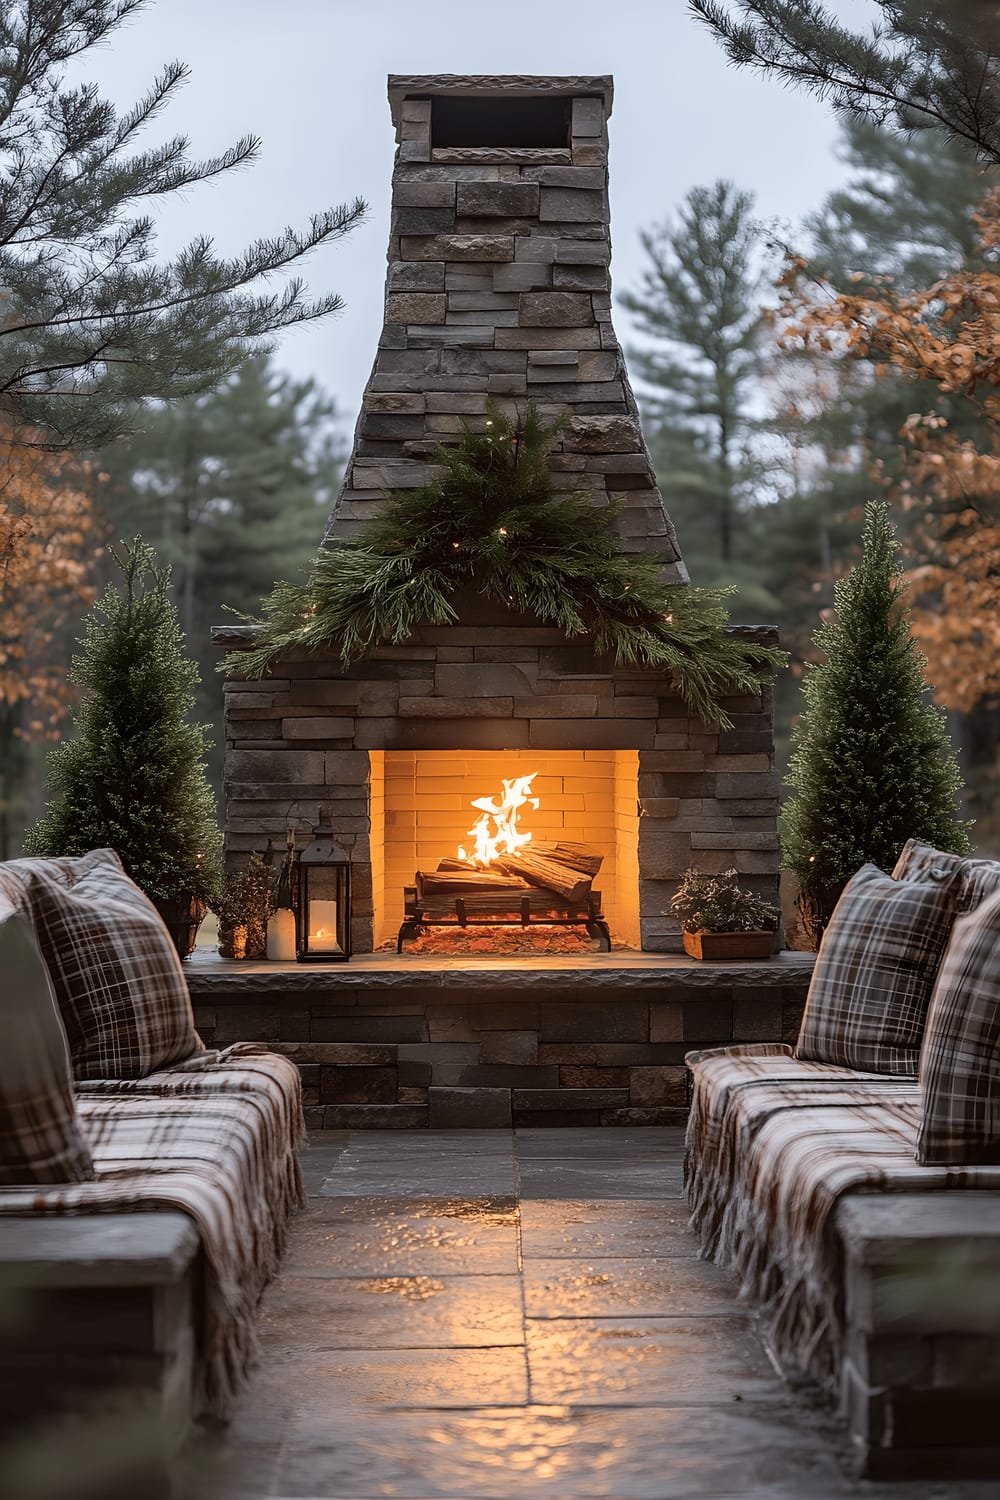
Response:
column 498, row 287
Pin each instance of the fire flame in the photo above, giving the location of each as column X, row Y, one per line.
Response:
column 496, row 832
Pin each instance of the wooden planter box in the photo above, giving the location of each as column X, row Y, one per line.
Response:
column 716, row 945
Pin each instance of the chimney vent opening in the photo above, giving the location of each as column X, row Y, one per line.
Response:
column 522, row 122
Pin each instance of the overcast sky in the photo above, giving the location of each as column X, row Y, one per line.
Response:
column 309, row 76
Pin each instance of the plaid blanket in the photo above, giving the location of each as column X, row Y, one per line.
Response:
column 218, row 1142
column 772, row 1145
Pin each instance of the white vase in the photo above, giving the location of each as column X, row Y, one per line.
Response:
column 281, row 935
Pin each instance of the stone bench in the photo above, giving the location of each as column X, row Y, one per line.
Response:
column 920, row 1377
column 873, row 1276
column 100, row 1309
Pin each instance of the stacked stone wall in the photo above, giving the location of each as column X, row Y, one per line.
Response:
column 499, row 288
column 384, row 1047
column 301, row 738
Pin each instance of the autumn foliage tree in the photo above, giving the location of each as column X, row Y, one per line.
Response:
column 49, row 543
column 947, row 333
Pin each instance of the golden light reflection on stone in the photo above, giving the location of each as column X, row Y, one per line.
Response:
column 410, row 1288
column 569, row 1291
column 543, row 1443
column 403, row 1236
column 429, row 1239
column 498, row 1211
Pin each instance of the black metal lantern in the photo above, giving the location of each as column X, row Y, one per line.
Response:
column 324, row 910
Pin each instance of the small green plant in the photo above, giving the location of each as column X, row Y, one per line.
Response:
column 715, row 903
column 246, row 902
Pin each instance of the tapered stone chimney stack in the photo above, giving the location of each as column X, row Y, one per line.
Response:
column 498, row 287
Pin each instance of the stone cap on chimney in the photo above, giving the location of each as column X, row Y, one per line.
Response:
column 497, row 86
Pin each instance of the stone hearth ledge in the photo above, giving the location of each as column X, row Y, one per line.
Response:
column 208, row 975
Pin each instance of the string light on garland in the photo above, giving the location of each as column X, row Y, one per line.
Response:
column 493, row 517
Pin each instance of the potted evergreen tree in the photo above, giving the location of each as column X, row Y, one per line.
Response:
column 132, row 778
column 872, row 764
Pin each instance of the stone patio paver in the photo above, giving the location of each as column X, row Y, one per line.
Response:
column 619, row 1288
column 393, row 1311
column 646, row 1177
column 475, row 1315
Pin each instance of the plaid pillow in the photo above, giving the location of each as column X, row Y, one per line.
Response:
column 960, row 1058
column 116, row 973
column 874, row 972
column 40, row 1139
column 975, row 879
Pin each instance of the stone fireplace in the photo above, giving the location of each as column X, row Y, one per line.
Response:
column 498, row 289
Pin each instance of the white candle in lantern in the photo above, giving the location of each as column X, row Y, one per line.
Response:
column 323, row 927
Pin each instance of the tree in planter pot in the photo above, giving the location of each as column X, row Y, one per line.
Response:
column 132, row 779
column 872, row 764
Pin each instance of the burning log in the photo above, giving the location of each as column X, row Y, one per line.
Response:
column 501, row 911
column 466, row 882
column 571, row 885
column 582, row 857
column 503, row 859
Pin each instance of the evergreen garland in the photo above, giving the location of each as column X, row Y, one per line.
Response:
column 132, row 779
column 494, row 518
column 872, row 764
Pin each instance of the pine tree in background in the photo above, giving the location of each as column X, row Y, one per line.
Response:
column 93, row 324
column 699, row 303
column 907, row 210
column 233, row 490
column 281, row 459
column 906, row 214
column 872, row 764
column 925, row 65
column 132, row 778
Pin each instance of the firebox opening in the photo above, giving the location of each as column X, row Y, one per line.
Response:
column 522, row 122
column 422, row 811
